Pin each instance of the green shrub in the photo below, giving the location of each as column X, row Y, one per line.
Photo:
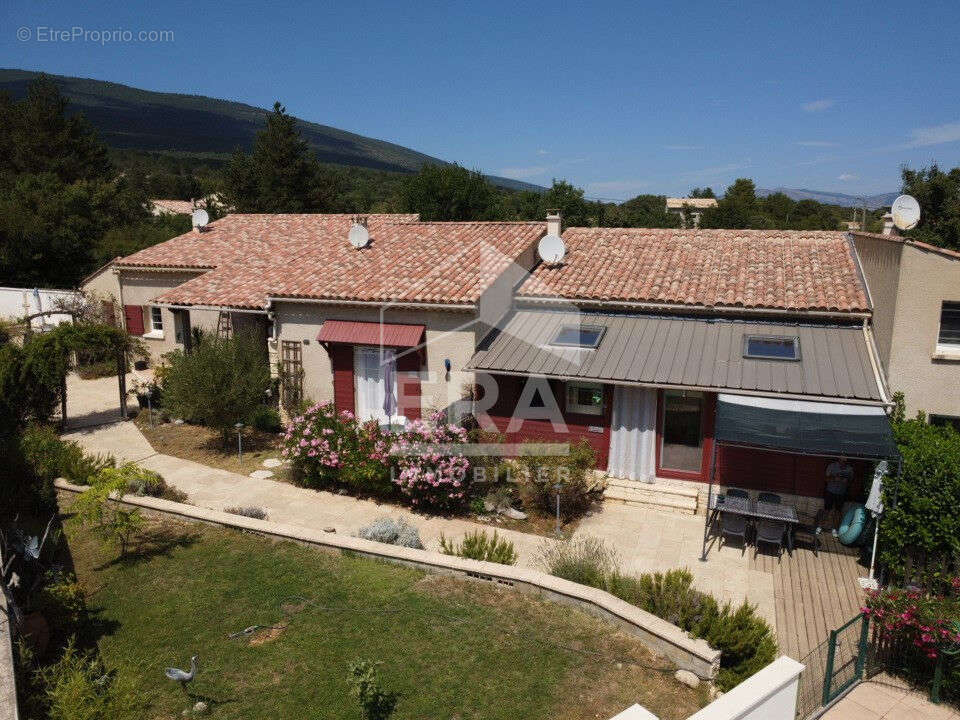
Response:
column 45, row 452
column 920, row 530
column 365, row 685
column 265, row 419
column 745, row 640
column 587, row 560
column 78, row 687
column 113, row 522
column 579, row 487
column 78, row 468
column 51, row 457
column 220, row 382
column 477, row 546
column 97, row 369
column 62, row 602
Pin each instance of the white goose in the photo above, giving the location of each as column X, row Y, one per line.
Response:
column 182, row 676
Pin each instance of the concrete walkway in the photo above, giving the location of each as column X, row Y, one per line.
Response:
column 887, row 698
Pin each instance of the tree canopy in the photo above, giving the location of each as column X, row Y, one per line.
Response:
column 282, row 174
column 59, row 193
column 938, row 193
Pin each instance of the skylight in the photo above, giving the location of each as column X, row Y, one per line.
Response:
column 771, row 347
column 585, row 336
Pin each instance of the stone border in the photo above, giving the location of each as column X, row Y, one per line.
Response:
column 8, row 682
column 658, row 635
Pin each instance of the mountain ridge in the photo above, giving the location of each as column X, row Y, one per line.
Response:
column 873, row 202
column 132, row 118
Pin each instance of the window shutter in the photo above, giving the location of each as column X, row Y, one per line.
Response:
column 133, row 315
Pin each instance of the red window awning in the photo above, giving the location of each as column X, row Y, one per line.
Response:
column 370, row 333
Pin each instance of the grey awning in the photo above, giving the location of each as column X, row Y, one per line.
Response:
column 692, row 352
column 803, row 427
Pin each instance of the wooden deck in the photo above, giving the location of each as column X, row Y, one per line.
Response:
column 813, row 594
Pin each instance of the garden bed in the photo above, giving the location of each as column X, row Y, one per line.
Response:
column 204, row 445
column 452, row 648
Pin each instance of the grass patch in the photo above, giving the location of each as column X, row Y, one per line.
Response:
column 452, row 648
column 203, row 445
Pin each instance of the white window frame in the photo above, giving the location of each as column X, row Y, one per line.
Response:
column 947, row 349
column 574, row 407
column 156, row 329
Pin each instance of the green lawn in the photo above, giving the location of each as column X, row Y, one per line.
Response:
column 453, row 648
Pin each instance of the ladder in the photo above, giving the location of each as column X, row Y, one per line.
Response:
column 224, row 327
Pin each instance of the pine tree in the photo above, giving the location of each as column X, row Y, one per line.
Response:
column 282, row 174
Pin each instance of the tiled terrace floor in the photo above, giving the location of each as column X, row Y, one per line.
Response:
column 803, row 595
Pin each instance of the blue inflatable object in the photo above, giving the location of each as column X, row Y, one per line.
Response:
column 853, row 524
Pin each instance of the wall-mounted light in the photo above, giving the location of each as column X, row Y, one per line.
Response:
column 447, row 364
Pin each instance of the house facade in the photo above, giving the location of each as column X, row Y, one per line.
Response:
column 632, row 341
column 916, row 293
column 399, row 316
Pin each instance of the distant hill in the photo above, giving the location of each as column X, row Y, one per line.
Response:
column 131, row 118
column 831, row 198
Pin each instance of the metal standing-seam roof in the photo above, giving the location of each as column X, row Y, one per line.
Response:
column 684, row 352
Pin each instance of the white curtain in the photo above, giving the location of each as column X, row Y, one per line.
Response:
column 369, row 383
column 633, row 434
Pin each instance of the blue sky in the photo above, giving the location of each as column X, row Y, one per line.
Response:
column 620, row 98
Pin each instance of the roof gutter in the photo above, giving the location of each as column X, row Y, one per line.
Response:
column 367, row 303
column 698, row 388
column 691, row 309
column 219, row 308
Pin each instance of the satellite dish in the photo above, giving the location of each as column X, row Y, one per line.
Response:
column 906, row 212
column 359, row 236
column 552, row 249
column 200, row 218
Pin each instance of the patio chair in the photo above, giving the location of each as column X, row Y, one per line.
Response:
column 810, row 530
column 770, row 532
column 768, row 497
column 732, row 525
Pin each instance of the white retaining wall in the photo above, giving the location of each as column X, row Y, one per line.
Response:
column 771, row 694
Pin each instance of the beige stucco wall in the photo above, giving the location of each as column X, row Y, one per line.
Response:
column 103, row 284
column 140, row 287
column 449, row 334
column 880, row 260
column 933, row 385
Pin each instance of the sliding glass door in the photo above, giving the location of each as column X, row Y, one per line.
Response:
column 681, row 431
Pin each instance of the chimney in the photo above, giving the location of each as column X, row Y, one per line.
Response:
column 888, row 224
column 553, row 222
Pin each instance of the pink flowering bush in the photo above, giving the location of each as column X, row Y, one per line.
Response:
column 913, row 628
column 432, row 477
column 327, row 447
column 925, row 621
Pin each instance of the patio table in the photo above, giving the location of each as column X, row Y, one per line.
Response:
column 756, row 510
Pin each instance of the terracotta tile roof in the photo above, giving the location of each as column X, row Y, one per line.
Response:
column 240, row 238
column 171, row 207
column 678, row 203
column 777, row 269
column 255, row 257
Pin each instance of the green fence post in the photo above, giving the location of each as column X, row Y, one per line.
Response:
column 828, row 676
column 937, row 680
column 862, row 648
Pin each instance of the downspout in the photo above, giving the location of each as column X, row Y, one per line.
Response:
column 875, row 363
